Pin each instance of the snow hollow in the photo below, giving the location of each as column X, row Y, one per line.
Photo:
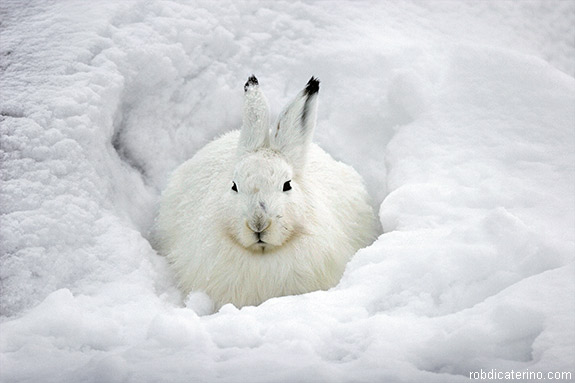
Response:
column 460, row 116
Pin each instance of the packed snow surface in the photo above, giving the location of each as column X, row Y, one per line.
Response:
column 459, row 115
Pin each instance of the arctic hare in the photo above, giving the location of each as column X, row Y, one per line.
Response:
column 263, row 212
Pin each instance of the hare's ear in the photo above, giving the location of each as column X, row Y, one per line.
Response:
column 294, row 130
column 255, row 127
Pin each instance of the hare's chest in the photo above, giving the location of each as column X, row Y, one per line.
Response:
column 248, row 280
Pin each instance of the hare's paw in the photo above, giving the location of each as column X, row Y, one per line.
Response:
column 252, row 82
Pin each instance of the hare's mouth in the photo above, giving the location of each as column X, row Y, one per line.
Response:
column 259, row 238
column 262, row 247
column 264, row 244
column 257, row 245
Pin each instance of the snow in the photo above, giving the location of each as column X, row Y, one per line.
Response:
column 459, row 115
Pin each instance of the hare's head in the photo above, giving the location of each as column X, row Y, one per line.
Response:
column 265, row 196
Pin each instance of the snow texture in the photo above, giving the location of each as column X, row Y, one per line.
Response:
column 459, row 115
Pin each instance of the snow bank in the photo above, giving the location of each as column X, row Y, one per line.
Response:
column 458, row 114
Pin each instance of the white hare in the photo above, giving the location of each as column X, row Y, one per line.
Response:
column 258, row 214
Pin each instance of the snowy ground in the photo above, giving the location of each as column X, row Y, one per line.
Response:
column 459, row 115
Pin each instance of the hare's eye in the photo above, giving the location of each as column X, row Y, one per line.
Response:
column 287, row 185
column 234, row 187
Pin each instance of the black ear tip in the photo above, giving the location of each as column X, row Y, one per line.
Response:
column 252, row 80
column 312, row 86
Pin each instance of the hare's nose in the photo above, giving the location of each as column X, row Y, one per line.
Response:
column 259, row 225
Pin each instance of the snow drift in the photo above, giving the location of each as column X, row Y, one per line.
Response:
column 460, row 116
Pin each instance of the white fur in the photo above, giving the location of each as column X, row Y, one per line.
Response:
column 209, row 232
